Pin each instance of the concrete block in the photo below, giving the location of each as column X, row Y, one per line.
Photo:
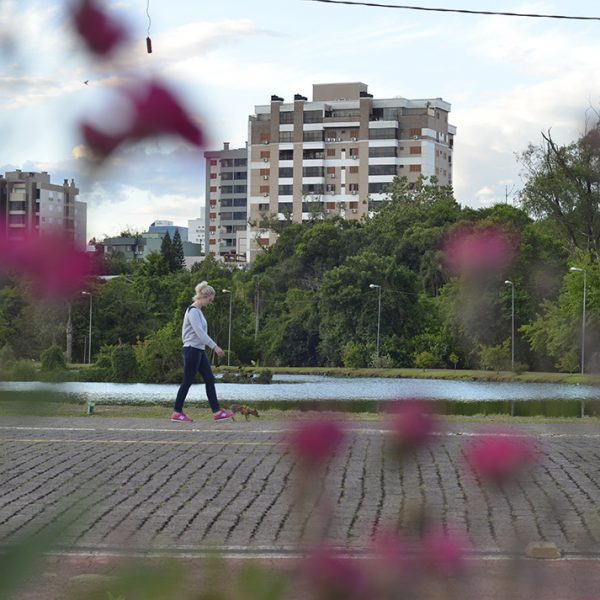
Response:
column 542, row 550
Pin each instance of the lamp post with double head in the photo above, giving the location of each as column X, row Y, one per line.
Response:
column 90, row 327
column 229, row 336
column 512, row 325
column 374, row 286
column 579, row 270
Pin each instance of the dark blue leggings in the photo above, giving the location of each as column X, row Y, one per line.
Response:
column 196, row 361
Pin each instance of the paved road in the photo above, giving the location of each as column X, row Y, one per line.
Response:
column 147, row 483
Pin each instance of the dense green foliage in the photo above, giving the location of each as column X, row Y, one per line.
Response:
column 307, row 300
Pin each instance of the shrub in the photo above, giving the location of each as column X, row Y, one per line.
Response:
column 159, row 356
column 425, row 360
column 568, row 363
column 53, row 359
column 264, row 376
column 495, row 358
column 383, row 361
column 24, row 370
column 124, row 364
column 353, row 356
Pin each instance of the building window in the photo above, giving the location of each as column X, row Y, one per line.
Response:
column 415, row 149
column 286, row 117
column 285, row 207
column 378, row 188
column 382, row 169
column 313, row 116
column 383, row 152
column 264, row 172
column 353, row 187
column 264, row 189
column 226, row 189
column 354, row 133
column 330, row 188
column 264, row 138
column 286, row 155
column 415, row 168
column 387, row 133
column 213, row 175
column 240, row 162
column 226, row 176
column 213, row 163
column 240, row 175
column 286, row 136
column 353, row 151
column 286, row 172
column 313, row 154
column 213, row 188
column 353, row 169
column 330, row 151
column 415, row 131
column 226, row 163
column 312, row 188
column 265, row 154
column 239, row 189
column 286, row 190
column 312, row 172
column 313, row 136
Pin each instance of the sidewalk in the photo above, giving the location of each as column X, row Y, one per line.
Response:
column 147, row 485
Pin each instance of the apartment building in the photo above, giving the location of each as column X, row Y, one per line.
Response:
column 29, row 202
column 336, row 154
column 226, row 210
column 197, row 230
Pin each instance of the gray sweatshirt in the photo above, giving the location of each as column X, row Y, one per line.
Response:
column 194, row 331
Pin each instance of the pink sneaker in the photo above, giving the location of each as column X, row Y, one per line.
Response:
column 222, row 415
column 180, row 417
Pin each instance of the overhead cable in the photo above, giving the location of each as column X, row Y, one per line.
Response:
column 458, row 10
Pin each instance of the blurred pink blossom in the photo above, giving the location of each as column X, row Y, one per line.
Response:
column 156, row 111
column 393, row 551
column 444, row 552
column 412, row 425
column 314, row 441
column 49, row 260
column 498, row 457
column 334, row 575
column 469, row 250
column 101, row 33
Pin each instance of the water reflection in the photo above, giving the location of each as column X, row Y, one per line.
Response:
column 319, row 388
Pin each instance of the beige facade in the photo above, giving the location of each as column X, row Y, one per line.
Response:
column 30, row 202
column 336, row 154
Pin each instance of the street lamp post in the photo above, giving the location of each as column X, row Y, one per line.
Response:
column 229, row 337
column 378, row 288
column 90, row 328
column 512, row 327
column 583, row 315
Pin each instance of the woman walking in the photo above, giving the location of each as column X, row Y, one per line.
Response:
column 194, row 334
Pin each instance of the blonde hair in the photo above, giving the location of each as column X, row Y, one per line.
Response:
column 203, row 290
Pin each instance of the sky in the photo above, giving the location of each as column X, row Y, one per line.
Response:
column 508, row 79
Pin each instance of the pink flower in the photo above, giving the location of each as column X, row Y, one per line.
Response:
column 412, row 425
column 499, row 457
column 49, row 260
column 315, row 441
column 156, row 111
column 444, row 552
column 334, row 575
column 101, row 33
column 393, row 552
column 470, row 250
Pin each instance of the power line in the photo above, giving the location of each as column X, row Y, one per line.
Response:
column 458, row 10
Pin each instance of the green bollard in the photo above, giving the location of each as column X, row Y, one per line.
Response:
column 90, row 407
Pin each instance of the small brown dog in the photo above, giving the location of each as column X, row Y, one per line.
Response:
column 244, row 410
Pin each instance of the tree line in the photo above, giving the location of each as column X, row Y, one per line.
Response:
column 420, row 283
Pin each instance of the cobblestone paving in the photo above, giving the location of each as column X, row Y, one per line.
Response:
column 149, row 483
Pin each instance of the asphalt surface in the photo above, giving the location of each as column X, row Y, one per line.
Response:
column 144, row 485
